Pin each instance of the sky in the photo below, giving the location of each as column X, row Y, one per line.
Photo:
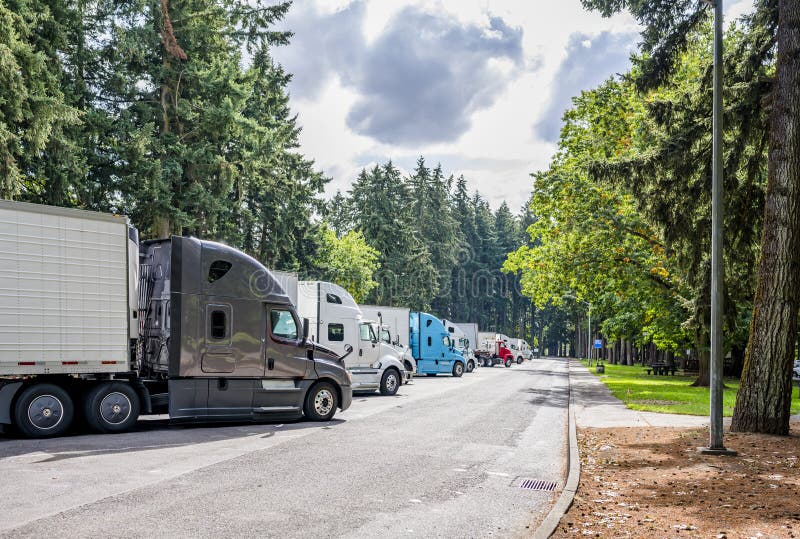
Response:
column 479, row 86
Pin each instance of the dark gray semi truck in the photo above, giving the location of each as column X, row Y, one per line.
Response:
column 98, row 327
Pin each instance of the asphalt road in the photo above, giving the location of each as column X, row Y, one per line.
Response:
column 443, row 458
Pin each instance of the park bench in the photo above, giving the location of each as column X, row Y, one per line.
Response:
column 661, row 369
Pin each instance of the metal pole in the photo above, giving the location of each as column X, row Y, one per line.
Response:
column 717, row 263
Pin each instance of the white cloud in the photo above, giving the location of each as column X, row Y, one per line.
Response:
column 498, row 150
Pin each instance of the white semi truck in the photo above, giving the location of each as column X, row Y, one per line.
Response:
column 461, row 343
column 521, row 349
column 394, row 330
column 96, row 326
column 337, row 322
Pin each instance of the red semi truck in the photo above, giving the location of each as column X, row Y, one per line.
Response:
column 492, row 351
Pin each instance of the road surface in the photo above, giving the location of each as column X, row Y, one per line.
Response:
column 443, row 458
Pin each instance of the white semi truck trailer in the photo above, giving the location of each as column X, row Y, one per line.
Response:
column 95, row 325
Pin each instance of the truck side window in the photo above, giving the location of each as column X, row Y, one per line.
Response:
column 333, row 298
column 336, row 332
column 218, row 270
column 283, row 325
column 446, row 341
column 366, row 333
column 219, row 325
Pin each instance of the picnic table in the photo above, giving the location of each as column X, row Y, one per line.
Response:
column 661, row 369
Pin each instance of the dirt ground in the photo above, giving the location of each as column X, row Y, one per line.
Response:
column 651, row 482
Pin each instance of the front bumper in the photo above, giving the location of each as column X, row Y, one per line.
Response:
column 347, row 397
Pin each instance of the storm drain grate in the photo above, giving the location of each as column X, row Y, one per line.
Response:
column 538, row 484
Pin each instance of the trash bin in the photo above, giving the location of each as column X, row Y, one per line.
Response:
column 600, row 368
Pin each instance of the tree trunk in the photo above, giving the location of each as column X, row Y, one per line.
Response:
column 629, row 352
column 764, row 398
column 703, row 360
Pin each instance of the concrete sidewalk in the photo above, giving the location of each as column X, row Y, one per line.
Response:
column 595, row 406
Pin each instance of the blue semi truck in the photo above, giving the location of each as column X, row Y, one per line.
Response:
column 432, row 346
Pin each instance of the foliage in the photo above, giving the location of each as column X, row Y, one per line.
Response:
column 347, row 261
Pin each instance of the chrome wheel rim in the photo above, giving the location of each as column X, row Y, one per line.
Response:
column 391, row 382
column 45, row 412
column 459, row 368
column 323, row 402
column 115, row 408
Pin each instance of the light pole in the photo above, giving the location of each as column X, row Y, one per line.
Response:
column 715, row 445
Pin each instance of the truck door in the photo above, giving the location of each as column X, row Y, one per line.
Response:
column 286, row 358
column 368, row 349
column 445, row 356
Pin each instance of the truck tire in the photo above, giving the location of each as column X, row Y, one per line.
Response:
column 487, row 362
column 470, row 366
column 321, row 402
column 390, row 382
column 409, row 367
column 43, row 410
column 520, row 359
column 458, row 369
column 509, row 362
column 111, row 407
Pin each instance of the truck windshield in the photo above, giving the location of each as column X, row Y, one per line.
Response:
column 386, row 336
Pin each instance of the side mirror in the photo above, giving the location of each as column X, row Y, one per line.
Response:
column 347, row 351
column 305, row 329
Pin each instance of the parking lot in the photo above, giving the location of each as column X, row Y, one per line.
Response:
column 443, row 457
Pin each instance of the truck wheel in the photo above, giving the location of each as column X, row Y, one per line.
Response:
column 111, row 407
column 458, row 369
column 520, row 359
column 390, row 382
column 509, row 361
column 321, row 402
column 488, row 363
column 409, row 367
column 43, row 410
column 470, row 366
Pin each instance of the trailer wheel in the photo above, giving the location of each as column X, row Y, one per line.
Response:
column 390, row 382
column 458, row 369
column 111, row 407
column 470, row 366
column 43, row 410
column 487, row 362
column 509, row 362
column 321, row 402
column 520, row 359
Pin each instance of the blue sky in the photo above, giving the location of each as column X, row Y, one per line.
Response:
column 478, row 85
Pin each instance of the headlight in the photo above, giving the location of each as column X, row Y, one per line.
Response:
column 376, row 365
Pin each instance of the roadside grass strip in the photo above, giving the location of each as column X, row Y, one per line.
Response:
column 668, row 394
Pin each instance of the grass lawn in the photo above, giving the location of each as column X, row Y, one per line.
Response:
column 668, row 394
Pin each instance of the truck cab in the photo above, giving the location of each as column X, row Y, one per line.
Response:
column 388, row 347
column 432, row 346
column 521, row 349
column 336, row 322
column 461, row 343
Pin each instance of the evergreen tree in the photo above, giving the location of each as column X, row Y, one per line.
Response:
column 34, row 112
column 382, row 212
column 435, row 225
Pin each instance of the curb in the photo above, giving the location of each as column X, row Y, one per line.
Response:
column 550, row 523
